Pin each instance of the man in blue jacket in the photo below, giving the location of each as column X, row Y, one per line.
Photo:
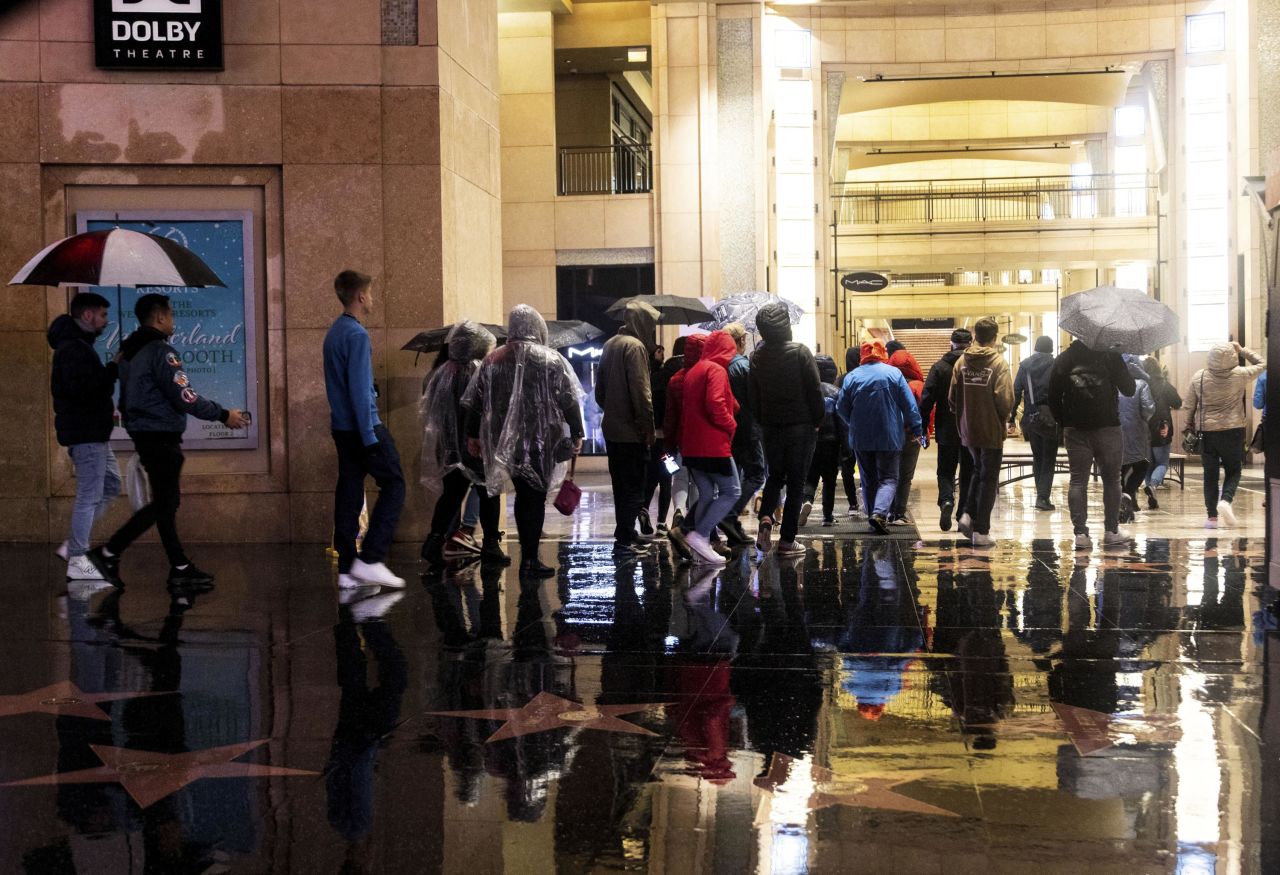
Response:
column 877, row 407
column 156, row 397
column 365, row 448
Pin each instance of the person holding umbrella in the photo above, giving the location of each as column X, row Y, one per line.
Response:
column 156, row 397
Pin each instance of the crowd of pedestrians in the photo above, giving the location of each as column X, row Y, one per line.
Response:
column 710, row 431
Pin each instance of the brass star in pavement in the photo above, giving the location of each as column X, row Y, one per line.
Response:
column 869, row 790
column 1093, row 731
column 64, row 699
column 547, row 711
column 149, row 776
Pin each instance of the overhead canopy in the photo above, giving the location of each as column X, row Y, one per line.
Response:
column 861, row 155
column 1096, row 88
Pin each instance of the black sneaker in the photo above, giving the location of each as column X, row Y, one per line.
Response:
column 662, row 529
column 491, row 553
column 1044, row 504
column 679, row 543
column 107, row 566
column 828, row 521
column 433, row 550
column 646, row 524
column 677, row 519
column 534, row 568
column 190, row 576
column 630, row 550
column 879, row 524
column 944, row 519
column 1152, row 504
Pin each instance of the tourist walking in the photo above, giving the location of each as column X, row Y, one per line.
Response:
column 907, row 365
column 524, row 421
column 748, row 447
column 1217, row 410
column 848, row 462
column 681, row 484
column 826, row 452
column 1084, row 390
column 880, row 414
column 156, row 397
column 626, row 401
column 1031, row 393
column 935, row 407
column 1135, row 415
column 1160, row 426
column 83, row 417
column 448, row 469
column 982, row 398
column 657, row 478
column 787, row 402
column 707, row 442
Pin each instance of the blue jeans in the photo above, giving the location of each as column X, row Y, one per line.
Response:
column 717, row 494
column 1159, row 466
column 471, row 510
column 97, row 485
column 879, row 480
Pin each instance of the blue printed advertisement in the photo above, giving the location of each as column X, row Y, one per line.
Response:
column 215, row 328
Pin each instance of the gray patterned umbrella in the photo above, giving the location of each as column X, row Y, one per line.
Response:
column 743, row 306
column 1123, row 320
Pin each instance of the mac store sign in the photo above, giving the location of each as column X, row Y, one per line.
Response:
column 158, row 34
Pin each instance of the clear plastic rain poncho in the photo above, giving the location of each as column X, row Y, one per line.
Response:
column 528, row 400
column 444, row 423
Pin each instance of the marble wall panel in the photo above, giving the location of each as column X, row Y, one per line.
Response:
column 628, row 222
column 311, row 454
column 528, row 119
column 331, row 65
column 410, row 125
column 20, row 21
column 528, row 174
column 21, row 307
column 410, row 65
column 331, row 22
column 325, row 125
column 24, row 519
column 245, row 65
column 19, row 107
column 19, row 61
column 24, row 396
column 413, row 288
column 580, row 223
column 251, row 21
column 65, row 21
column 468, row 32
column 528, row 226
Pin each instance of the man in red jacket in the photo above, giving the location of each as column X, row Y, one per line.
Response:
column 706, row 441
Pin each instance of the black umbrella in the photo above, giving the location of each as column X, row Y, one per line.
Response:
column 672, row 309
column 434, row 340
column 570, row 332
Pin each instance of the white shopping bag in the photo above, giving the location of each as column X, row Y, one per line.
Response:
column 136, row 484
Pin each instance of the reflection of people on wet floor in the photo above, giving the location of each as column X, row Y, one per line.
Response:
column 1041, row 620
column 883, row 621
column 365, row 715
column 782, row 705
column 1222, row 606
column 974, row 680
column 634, row 642
column 1083, row 643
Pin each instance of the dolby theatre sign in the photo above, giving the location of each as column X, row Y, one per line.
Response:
column 158, row 34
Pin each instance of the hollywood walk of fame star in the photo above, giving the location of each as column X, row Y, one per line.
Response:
column 64, row 699
column 1094, row 731
column 1023, row 725
column 869, row 790
column 547, row 711
column 149, row 776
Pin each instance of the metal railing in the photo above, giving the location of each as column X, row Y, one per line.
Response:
column 1006, row 199
column 623, row 168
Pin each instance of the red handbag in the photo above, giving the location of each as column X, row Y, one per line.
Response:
column 570, row 494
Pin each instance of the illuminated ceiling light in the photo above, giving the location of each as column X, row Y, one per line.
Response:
column 638, row 56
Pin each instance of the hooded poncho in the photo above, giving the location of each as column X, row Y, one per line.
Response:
column 444, row 444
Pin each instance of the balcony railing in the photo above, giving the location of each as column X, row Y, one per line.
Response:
column 622, row 168
column 1007, row 199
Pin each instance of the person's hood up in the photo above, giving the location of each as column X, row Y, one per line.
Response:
column 893, row 346
column 852, row 356
column 774, row 322
column 1044, row 343
column 1223, row 358
column 66, row 328
column 826, row 368
column 525, row 323
column 134, row 343
column 719, row 348
column 469, row 341
column 872, row 352
column 1134, row 363
column 641, row 322
column 693, row 346
column 906, row 362
column 978, row 354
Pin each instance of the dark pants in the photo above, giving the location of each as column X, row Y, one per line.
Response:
column 1044, row 461
column 627, row 465
column 949, row 457
column 1225, row 450
column 788, row 449
column 530, row 513
column 449, row 505
column 656, row 479
column 355, row 463
column 749, row 457
column 848, row 467
column 1132, row 476
column 1086, row 448
column 906, row 475
column 160, row 454
column 825, row 467
column 983, row 487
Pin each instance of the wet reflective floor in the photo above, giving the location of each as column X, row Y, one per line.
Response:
column 878, row 705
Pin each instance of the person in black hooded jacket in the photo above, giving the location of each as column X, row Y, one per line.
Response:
column 83, row 416
column 951, row 453
column 786, row 399
column 848, row 461
column 826, row 454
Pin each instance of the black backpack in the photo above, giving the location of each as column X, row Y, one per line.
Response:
column 1088, row 391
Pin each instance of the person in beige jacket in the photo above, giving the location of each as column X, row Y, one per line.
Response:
column 1218, row 409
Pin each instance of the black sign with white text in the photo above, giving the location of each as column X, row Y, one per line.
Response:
column 864, row 281
column 158, row 34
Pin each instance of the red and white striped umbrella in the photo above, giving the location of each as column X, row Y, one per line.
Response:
column 117, row 257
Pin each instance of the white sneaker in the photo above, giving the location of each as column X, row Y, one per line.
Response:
column 1083, row 541
column 1226, row 514
column 62, row 551
column 965, row 525
column 805, row 510
column 1115, row 539
column 1211, row 523
column 346, row 581
column 376, row 572
column 981, row 540
column 703, row 553
column 374, row 608
column 80, row 568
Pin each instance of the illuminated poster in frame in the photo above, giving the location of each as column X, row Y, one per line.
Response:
column 215, row 328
